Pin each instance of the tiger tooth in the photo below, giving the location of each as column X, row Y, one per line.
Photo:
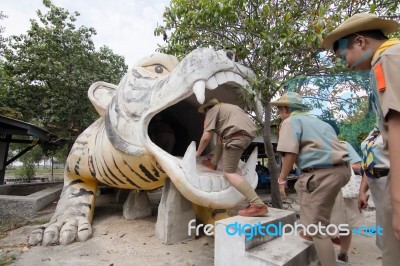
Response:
column 189, row 164
column 199, row 89
column 230, row 76
column 212, row 83
column 247, row 169
column 238, row 79
column 221, row 78
column 246, row 84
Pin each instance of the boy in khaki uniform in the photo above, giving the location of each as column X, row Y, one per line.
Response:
column 237, row 130
column 362, row 41
column 313, row 145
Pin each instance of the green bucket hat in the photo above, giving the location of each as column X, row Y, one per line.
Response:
column 290, row 99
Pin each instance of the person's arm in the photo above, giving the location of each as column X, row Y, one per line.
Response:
column 394, row 155
column 362, row 196
column 205, row 139
column 356, row 168
column 287, row 164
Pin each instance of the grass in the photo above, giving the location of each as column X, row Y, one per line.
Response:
column 14, row 223
column 58, row 174
column 10, row 224
column 7, row 259
column 39, row 171
column 7, row 255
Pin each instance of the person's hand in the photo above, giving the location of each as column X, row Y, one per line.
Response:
column 282, row 190
column 362, row 200
column 209, row 156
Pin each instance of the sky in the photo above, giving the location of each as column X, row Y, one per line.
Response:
column 125, row 26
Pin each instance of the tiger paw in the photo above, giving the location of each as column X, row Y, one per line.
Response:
column 73, row 229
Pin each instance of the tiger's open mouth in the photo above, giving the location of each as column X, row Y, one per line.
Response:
column 176, row 127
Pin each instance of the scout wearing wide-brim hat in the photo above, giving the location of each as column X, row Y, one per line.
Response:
column 291, row 99
column 357, row 23
column 208, row 103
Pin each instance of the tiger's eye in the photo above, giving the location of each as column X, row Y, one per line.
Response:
column 159, row 69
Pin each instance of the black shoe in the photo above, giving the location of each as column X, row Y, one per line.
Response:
column 343, row 257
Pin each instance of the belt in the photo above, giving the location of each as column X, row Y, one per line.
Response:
column 312, row 169
column 380, row 172
column 237, row 134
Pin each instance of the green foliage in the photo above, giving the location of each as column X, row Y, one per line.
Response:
column 2, row 39
column 334, row 96
column 278, row 40
column 27, row 171
column 48, row 70
column 61, row 155
column 355, row 132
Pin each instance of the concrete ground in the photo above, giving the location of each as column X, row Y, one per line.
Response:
column 116, row 241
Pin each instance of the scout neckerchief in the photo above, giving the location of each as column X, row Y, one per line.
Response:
column 384, row 46
column 299, row 112
column 367, row 164
column 296, row 112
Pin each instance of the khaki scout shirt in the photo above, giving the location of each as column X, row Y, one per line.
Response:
column 385, row 83
column 226, row 119
column 314, row 141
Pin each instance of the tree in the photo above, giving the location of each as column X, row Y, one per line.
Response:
column 340, row 98
column 3, row 40
column 277, row 39
column 48, row 70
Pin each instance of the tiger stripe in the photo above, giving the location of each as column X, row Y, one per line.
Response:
column 74, row 182
column 113, row 175
column 83, row 192
column 102, row 173
column 76, row 168
column 106, row 175
column 147, row 173
column 91, row 166
column 136, row 173
column 123, row 175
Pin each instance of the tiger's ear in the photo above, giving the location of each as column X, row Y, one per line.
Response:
column 100, row 94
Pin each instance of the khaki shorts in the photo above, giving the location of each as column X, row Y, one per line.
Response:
column 391, row 246
column 345, row 211
column 317, row 192
column 232, row 151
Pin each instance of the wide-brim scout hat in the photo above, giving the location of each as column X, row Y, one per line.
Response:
column 208, row 103
column 357, row 23
column 290, row 99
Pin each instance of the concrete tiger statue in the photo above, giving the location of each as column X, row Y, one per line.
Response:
column 147, row 132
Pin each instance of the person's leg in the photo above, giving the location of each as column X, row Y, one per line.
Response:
column 243, row 187
column 345, row 211
column 377, row 188
column 217, row 152
column 345, row 242
column 325, row 251
column 231, row 156
column 391, row 246
column 318, row 191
